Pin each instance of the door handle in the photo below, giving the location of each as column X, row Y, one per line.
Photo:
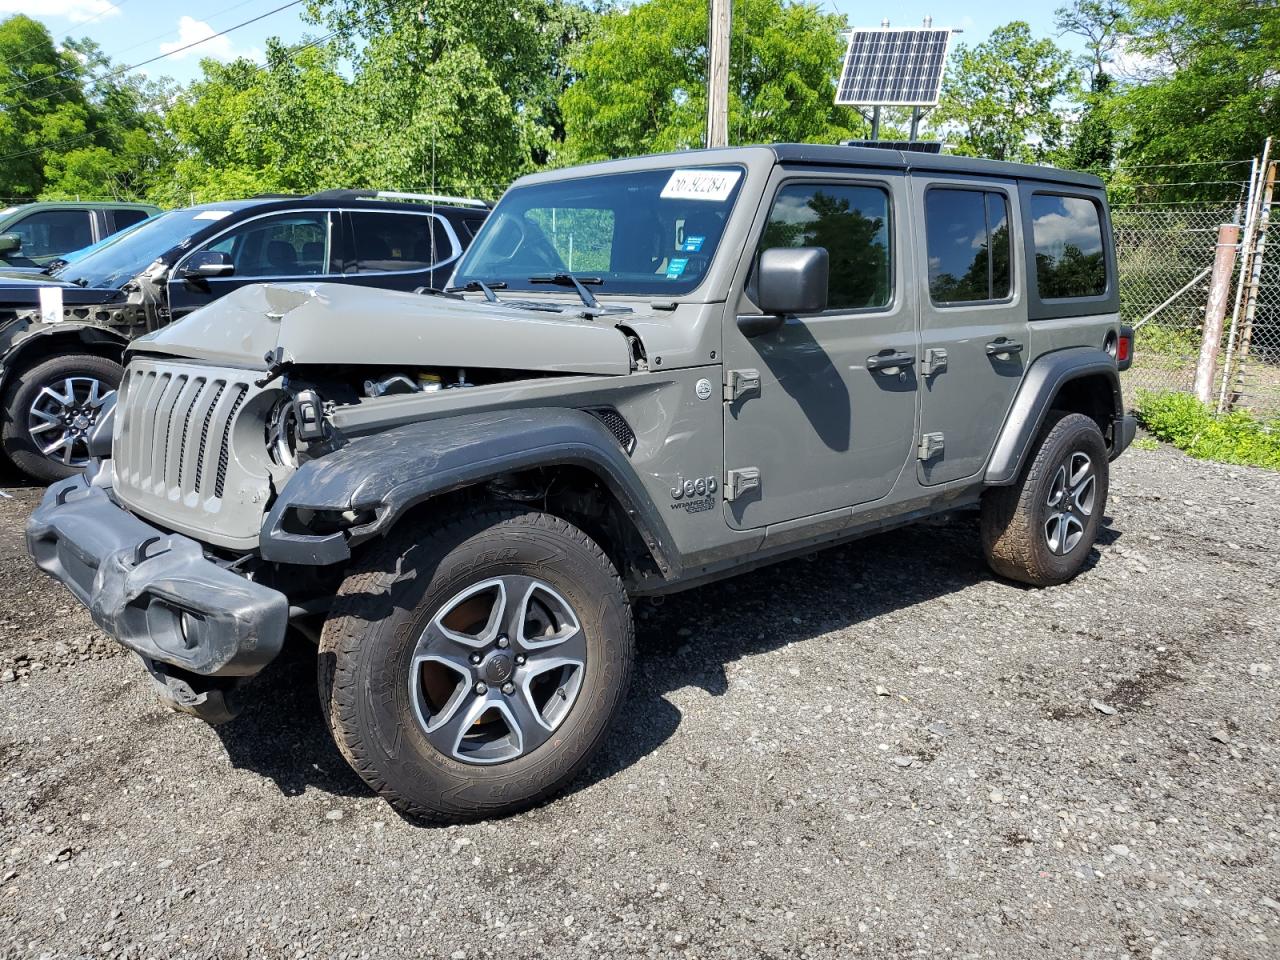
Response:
column 886, row 361
column 1003, row 348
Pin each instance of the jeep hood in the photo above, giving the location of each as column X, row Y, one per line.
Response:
column 340, row 324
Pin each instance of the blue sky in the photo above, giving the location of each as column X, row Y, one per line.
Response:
column 130, row 31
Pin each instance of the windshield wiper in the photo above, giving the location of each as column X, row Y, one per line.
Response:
column 479, row 286
column 578, row 283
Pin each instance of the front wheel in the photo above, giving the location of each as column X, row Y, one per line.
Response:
column 473, row 670
column 49, row 411
column 1041, row 529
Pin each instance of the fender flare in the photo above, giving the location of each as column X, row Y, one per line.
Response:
column 388, row 473
column 22, row 343
column 1045, row 377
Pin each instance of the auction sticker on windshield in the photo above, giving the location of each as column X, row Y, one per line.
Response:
column 715, row 185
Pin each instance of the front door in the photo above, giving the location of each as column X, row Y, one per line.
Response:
column 831, row 424
column 298, row 245
column 973, row 320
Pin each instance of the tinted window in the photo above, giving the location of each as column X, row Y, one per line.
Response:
column 127, row 218
column 1070, row 261
column 398, row 241
column 647, row 232
column 967, row 235
column 472, row 225
column 288, row 245
column 51, row 232
column 852, row 223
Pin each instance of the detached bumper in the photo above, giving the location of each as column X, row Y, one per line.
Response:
column 153, row 591
column 1126, row 428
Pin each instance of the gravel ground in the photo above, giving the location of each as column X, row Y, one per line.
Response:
column 879, row 751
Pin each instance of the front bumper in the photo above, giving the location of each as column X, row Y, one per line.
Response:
column 154, row 591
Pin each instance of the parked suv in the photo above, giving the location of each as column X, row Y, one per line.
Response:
column 32, row 234
column 649, row 373
column 62, row 336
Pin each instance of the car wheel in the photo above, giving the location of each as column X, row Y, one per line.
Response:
column 1040, row 530
column 473, row 670
column 49, row 410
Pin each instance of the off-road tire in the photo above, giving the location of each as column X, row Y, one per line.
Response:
column 381, row 610
column 1014, row 517
column 23, row 390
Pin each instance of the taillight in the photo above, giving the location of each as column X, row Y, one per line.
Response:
column 1124, row 348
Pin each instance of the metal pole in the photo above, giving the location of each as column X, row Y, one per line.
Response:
column 1246, row 252
column 915, row 123
column 719, row 31
column 875, row 123
column 1215, row 311
column 1255, row 281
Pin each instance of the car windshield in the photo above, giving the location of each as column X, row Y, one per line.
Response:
column 650, row 232
column 128, row 254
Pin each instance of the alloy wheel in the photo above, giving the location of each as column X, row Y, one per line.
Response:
column 1070, row 502
column 497, row 670
column 63, row 414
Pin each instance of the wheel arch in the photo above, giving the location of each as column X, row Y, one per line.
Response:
column 56, row 340
column 1077, row 380
column 561, row 459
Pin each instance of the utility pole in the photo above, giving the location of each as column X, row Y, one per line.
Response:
column 719, row 16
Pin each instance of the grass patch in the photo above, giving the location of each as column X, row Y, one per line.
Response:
column 1185, row 422
column 1146, row 443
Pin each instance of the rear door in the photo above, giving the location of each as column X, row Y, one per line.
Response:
column 400, row 249
column 285, row 246
column 973, row 319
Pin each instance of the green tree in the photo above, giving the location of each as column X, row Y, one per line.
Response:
column 1206, row 92
column 243, row 129
column 42, row 104
column 641, row 79
column 1006, row 97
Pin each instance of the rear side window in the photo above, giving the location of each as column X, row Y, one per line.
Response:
column 49, row 233
column 389, row 242
column 852, row 222
column 1070, row 261
column 127, row 218
column 967, row 236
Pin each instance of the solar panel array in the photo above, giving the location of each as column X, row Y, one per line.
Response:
column 893, row 67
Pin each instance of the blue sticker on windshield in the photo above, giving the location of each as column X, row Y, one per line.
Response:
column 676, row 267
column 692, row 244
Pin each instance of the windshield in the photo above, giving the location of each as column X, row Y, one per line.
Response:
column 651, row 232
column 129, row 253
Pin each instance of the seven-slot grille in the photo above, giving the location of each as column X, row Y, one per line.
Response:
column 174, row 430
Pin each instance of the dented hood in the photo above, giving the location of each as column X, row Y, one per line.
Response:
column 340, row 324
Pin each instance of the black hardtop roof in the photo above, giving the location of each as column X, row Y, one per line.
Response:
column 834, row 155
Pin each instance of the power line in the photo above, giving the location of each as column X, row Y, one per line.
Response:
column 94, row 81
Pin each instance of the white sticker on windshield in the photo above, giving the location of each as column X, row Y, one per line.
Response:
column 212, row 214
column 700, row 184
column 50, row 304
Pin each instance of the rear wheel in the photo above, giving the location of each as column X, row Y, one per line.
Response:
column 1041, row 529
column 474, row 670
column 49, row 410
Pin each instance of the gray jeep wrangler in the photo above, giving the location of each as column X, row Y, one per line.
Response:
column 647, row 374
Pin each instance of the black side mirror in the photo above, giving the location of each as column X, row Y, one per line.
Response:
column 790, row 280
column 208, row 263
column 9, row 242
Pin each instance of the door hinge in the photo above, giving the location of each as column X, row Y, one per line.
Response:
column 931, row 445
column 737, row 482
column 935, row 361
column 741, row 383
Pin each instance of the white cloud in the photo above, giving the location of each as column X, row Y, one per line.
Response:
column 191, row 30
column 1075, row 222
column 77, row 11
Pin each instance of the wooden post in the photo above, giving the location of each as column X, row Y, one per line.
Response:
column 1215, row 311
column 719, row 32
